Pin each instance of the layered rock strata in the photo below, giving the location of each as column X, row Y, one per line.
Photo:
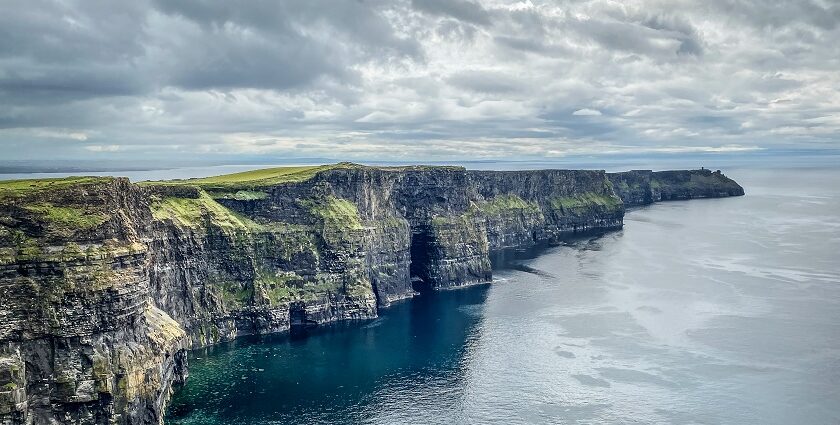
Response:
column 104, row 284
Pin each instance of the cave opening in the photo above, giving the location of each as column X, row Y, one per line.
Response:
column 297, row 315
column 421, row 245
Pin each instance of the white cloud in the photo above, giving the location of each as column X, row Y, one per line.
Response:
column 587, row 112
column 103, row 148
column 422, row 79
column 60, row 134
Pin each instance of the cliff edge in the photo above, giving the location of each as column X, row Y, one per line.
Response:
column 643, row 187
column 105, row 284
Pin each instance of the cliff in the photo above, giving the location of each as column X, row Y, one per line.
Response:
column 80, row 341
column 642, row 187
column 104, row 284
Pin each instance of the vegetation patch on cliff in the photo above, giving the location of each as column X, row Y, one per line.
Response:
column 289, row 242
column 585, row 200
column 336, row 213
column 503, row 203
column 279, row 286
column 195, row 212
column 234, row 295
column 459, row 230
column 245, row 195
column 66, row 218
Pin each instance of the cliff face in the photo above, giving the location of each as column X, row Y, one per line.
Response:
column 80, row 341
column 642, row 187
column 104, row 284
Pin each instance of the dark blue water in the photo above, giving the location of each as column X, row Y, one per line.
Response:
column 723, row 311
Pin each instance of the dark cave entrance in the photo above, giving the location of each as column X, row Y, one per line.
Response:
column 297, row 315
column 421, row 245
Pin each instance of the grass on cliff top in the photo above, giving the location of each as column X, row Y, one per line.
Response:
column 254, row 179
column 698, row 180
column 17, row 188
column 245, row 185
column 263, row 177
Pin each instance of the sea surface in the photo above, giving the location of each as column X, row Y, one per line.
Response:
column 718, row 311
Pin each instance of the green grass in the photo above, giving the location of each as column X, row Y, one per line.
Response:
column 280, row 287
column 193, row 212
column 250, row 185
column 245, row 195
column 698, row 180
column 502, row 203
column 247, row 183
column 263, row 176
column 335, row 212
column 67, row 217
column 586, row 200
column 235, row 296
column 708, row 180
column 19, row 188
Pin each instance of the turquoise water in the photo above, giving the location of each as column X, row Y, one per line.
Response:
column 723, row 311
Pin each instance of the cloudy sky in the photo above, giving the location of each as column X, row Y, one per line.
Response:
column 416, row 79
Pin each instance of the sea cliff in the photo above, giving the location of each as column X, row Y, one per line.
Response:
column 105, row 284
column 643, row 187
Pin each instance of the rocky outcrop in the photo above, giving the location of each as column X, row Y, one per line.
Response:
column 104, row 284
column 642, row 187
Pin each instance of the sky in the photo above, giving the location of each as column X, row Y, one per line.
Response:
column 415, row 80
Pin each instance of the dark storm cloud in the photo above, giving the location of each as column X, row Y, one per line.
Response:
column 430, row 78
column 282, row 45
column 85, row 50
column 58, row 52
column 33, row 85
column 49, row 32
column 228, row 59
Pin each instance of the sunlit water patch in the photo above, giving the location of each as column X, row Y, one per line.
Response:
column 712, row 311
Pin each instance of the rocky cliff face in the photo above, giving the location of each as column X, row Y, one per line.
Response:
column 104, row 284
column 642, row 187
column 80, row 339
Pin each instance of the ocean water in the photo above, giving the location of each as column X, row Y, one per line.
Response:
column 720, row 311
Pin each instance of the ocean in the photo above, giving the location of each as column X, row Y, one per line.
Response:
column 717, row 311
